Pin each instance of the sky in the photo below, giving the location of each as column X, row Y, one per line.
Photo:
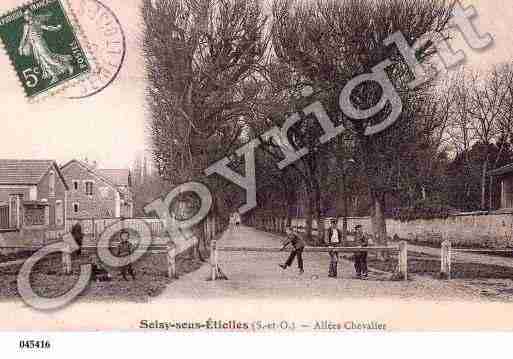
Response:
column 110, row 127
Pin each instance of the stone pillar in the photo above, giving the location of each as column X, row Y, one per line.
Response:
column 171, row 258
column 403, row 259
column 445, row 260
column 213, row 259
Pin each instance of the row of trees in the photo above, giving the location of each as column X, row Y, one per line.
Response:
column 223, row 72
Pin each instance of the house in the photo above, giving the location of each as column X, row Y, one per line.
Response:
column 121, row 178
column 501, row 188
column 97, row 193
column 33, row 195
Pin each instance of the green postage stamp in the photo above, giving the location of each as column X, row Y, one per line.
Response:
column 43, row 43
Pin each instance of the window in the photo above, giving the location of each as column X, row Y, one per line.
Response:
column 75, row 207
column 51, row 184
column 75, row 185
column 59, row 213
column 89, row 188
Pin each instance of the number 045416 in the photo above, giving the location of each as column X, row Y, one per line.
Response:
column 35, row 344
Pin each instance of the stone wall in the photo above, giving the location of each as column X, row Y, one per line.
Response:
column 488, row 230
column 470, row 229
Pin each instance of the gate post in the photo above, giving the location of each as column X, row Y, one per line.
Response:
column 93, row 230
column 445, row 260
column 66, row 262
column 213, row 258
column 403, row 259
column 171, row 262
column 66, row 256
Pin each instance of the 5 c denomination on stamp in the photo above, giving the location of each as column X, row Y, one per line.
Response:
column 43, row 46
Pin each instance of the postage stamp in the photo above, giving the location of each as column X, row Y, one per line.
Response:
column 44, row 47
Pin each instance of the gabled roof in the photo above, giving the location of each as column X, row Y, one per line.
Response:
column 95, row 172
column 119, row 177
column 26, row 172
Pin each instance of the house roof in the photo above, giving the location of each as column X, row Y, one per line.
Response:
column 502, row 170
column 25, row 172
column 119, row 177
column 111, row 177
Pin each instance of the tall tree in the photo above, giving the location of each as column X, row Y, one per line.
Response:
column 201, row 59
column 199, row 54
column 330, row 42
column 488, row 96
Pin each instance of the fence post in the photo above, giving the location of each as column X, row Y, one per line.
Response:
column 93, row 234
column 205, row 228
column 403, row 259
column 213, row 258
column 66, row 258
column 211, row 228
column 171, row 261
column 445, row 260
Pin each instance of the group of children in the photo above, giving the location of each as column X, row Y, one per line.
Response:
column 334, row 239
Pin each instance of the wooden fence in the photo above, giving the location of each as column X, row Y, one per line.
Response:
column 446, row 253
column 94, row 227
column 167, row 249
column 402, row 250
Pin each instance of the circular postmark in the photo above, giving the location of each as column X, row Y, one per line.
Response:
column 107, row 43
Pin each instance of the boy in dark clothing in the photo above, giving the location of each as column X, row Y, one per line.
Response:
column 76, row 232
column 334, row 239
column 99, row 273
column 360, row 258
column 125, row 249
column 298, row 244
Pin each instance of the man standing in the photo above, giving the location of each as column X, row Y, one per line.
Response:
column 360, row 258
column 78, row 236
column 298, row 244
column 334, row 238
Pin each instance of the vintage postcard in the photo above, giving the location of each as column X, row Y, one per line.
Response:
column 256, row 166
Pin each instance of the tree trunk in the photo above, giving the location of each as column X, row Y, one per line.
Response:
column 318, row 213
column 379, row 228
column 309, row 212
column 483, row 184
column 345, row 208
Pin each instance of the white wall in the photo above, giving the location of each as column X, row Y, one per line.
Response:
column 493, row 229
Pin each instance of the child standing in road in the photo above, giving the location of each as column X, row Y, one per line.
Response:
column 125, row 249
